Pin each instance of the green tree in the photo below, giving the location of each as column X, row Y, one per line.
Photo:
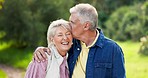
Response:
column 105, row 7
column 18, row 23
column 1, row 4
column 25, row 22
column 127, row 23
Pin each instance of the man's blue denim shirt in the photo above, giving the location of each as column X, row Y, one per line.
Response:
column 105, row 59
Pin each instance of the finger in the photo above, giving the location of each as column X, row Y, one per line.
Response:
column 36, row 58
column 43, row 53
column 37, row 54
column 48, row 51
column 40, row 56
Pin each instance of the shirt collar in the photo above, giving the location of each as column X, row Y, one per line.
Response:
column 94, row 40
column 100, row 40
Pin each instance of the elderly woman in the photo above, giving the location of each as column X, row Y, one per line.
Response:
column 59, row 39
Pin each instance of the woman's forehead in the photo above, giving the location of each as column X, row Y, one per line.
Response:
column 62, row 29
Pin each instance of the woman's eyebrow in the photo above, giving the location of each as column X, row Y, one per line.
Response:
column 71, row 21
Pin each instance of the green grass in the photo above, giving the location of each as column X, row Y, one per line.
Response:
column 2, row 74
column 18, row 58
column 135, row 64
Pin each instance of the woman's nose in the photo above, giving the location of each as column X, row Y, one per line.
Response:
column 65, row 37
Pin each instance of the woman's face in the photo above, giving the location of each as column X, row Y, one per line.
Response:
column 62, row 40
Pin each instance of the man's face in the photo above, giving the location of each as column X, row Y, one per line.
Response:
column 76, row 26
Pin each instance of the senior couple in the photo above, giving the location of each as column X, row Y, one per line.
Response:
column 77, row 49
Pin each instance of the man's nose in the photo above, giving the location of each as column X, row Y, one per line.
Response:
column 70, row 25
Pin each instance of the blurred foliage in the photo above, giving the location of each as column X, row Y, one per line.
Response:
column 18, row 58
column 128, row 22
column 144, row 46
column 3, row 74
column 1, row 4
column 106, row 7
column 25, row 22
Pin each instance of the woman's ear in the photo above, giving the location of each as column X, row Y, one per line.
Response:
column 51, row 39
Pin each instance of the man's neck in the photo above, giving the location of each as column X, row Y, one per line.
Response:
column 88, row 37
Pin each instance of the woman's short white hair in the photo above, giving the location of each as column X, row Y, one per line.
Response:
column 86, row 12
column 52, row 29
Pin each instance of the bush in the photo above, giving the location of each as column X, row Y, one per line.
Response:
column 25, row 22
column 144, row 47
column 128, row 23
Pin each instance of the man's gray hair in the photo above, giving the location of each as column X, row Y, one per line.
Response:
column 52, row 29
column 86, row 12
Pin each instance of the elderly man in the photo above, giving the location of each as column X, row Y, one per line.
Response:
column 92, row 54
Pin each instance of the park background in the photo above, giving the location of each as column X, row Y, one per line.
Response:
column 23, row 26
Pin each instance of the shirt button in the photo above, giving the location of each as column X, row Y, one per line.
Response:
column 78, row 48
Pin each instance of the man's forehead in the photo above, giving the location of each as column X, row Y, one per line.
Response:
column 73, row 17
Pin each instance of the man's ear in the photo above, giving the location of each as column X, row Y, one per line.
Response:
column 87, row 25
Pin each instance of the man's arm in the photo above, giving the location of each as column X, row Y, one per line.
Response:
column 118, row 63
column 39, row 54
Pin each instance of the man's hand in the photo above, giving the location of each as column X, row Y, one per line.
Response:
column 39, row 54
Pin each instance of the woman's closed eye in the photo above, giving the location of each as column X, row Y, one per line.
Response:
column 59, row 35
column 68, row 33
